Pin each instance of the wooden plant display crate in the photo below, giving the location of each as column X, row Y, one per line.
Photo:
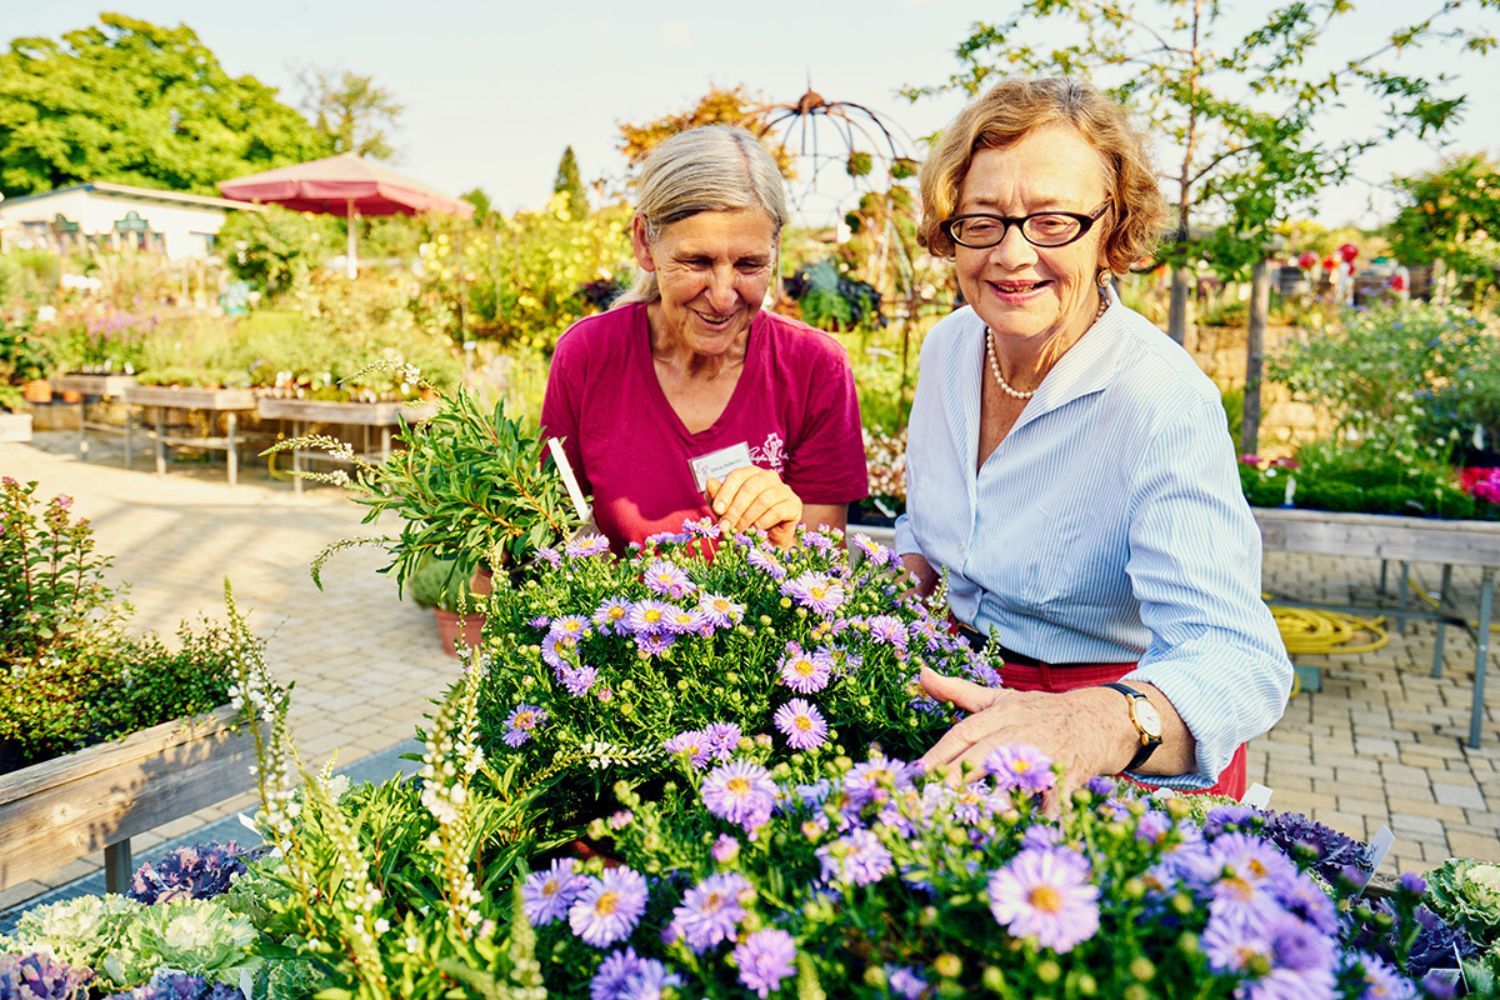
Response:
column 230, row 402
column 306, row 413
column 98, row 798
column 89, row 386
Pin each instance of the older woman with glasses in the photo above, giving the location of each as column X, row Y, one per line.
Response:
column 1068, row 467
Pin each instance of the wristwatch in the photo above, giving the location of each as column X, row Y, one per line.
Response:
column 1147, row 723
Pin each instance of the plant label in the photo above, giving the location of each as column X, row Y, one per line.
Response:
column 565, row 469
column 1257, row 796
column 718, row 464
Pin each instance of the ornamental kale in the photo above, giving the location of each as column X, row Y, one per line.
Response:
column 199, row 872
column 600, row 668
column 38, row 976
column 168, row 984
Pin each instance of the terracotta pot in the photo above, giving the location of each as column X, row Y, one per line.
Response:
column 37, row 391
column 70, row 396
column 450, row 629
column 483, row 582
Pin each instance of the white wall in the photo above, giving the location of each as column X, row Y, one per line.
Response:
column 183, row 226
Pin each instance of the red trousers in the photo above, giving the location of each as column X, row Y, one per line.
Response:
column 1042, row 677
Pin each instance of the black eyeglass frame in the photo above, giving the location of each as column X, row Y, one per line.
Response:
column 1085, row 223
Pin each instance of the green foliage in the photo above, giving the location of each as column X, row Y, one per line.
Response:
column 1377, row 370
column 1370, row 478
column 25, row 353
column 1452, row 214
column 1234, row 411
column 1249, row 110
column 277, row 249
column 469, row 486
column 436, row 584
column 569, row 184
column 1467, row 894
column 520, row 281
column 832, row 300
column 352, row 114
column 134, row 102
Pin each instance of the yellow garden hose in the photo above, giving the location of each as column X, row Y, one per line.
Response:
column 1314, row 632
column 1437, row 605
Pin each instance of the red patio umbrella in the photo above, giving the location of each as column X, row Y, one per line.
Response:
column 346, row 185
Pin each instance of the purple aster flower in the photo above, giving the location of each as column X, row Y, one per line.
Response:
column 608, row 907
column 540, row 621
column 703, row 527
column 741, row 792
column 803, row 672
column 1254, row 873
column 723, row 739
column 666, row 538
column 577, row 681
column 1304, row 898
column 1229, row 819
column 981, row 671
column 1046, row 895
column 610, row 616
column 725, row 849
column 817, row 592
column 694, row 743
column 876, row 779
column 686, row 621
column 549, row 555
column 1380, row 979
column 1040, row 837
column 815, row 794
column 889, row 630
column 613, row 973
column 720, row 610
column 817, row 540
column 648, row 617
column 585, row 546
column 905, row 982
column 857, row 858
column 765, row 958
column 654, row 645
column 546, row 895
column 1020, row 767
column 523, row 720
column 575, row 627
column 766, row 564
column 668, row 579
column 872, row 550
column 649, row 981
column 1300, row 960
column 1102, row 786
column 1153, row 826
column 1413, row 883
column 555, row 645
column 802, row 724
column 711, row 911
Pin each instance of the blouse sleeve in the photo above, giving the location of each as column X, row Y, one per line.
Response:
column 826, row 465
column 1194, row 566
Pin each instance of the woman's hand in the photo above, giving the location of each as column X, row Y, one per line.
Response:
column 752, row 497
column 1086, row 732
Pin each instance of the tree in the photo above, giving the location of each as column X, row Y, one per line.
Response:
column 137, row 103
column 1248, row 118
column 1452, row 214
column 481, row 202
column 568, row 183
column 717, row 107
column 351, row 112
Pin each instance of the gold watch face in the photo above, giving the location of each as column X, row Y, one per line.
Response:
column 1146, row 717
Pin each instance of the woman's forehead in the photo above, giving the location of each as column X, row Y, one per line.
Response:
column 1053, row 166
column 739, row 227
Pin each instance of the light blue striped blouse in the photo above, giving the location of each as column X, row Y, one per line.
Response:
column 1108, row 526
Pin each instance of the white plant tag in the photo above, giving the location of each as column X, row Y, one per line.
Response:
column 1257, row 796
column 1380, row 846
column 565, row 468
column 718, row 464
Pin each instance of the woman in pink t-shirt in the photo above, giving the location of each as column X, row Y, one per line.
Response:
column 687, row 399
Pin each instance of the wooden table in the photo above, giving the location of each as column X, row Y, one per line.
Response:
column 1405, row 540
column 230, row 402
column 96, row 387
column 305, row 412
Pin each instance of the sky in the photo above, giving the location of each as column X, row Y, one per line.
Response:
column 493, row 91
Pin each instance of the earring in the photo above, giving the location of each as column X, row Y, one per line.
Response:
column 1104, row 278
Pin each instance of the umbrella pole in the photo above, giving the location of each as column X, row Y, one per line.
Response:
column 351, row 254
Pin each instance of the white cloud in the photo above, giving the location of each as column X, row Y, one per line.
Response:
column 677, row 34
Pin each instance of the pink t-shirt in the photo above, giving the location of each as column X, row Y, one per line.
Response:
column 794, row 407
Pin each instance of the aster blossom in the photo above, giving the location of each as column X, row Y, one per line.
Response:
column 765, row 958
column 817, row 592
column 1046, row 894
column 858, row 858
column 521, row 723
column 802, row 724
column 741, row 792
column 608, row 906
column 1020, row 767
column 547, row 895
column 711, row 911
column 804, row 672
column 668, row 579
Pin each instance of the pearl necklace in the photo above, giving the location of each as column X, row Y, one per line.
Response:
column 989, row 350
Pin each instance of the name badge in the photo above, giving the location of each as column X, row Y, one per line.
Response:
column 718, row 464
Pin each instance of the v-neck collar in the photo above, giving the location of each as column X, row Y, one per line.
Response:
column 646, row 367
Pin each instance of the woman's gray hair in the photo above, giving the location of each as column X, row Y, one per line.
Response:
column 713, row 168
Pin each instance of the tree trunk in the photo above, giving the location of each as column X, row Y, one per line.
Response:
column 1177, row 318
column 1255, row 347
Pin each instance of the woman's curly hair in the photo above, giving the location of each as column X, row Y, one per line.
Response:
column 1013, row 109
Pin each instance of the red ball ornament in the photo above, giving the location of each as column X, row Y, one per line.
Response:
column 1398, row 283
column 1348, row 252
column 1307, row 260
column 1329, row 264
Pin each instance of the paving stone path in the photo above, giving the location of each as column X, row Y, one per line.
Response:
column 1381, row 744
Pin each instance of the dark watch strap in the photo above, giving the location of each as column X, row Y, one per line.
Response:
column 1147, row 748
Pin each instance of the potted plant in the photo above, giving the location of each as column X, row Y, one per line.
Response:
column 468, row 484
column 436, row 584
column 102, row 735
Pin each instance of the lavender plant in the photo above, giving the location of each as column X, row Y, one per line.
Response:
column 602, row 668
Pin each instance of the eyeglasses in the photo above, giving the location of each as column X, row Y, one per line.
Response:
column 980, row 230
